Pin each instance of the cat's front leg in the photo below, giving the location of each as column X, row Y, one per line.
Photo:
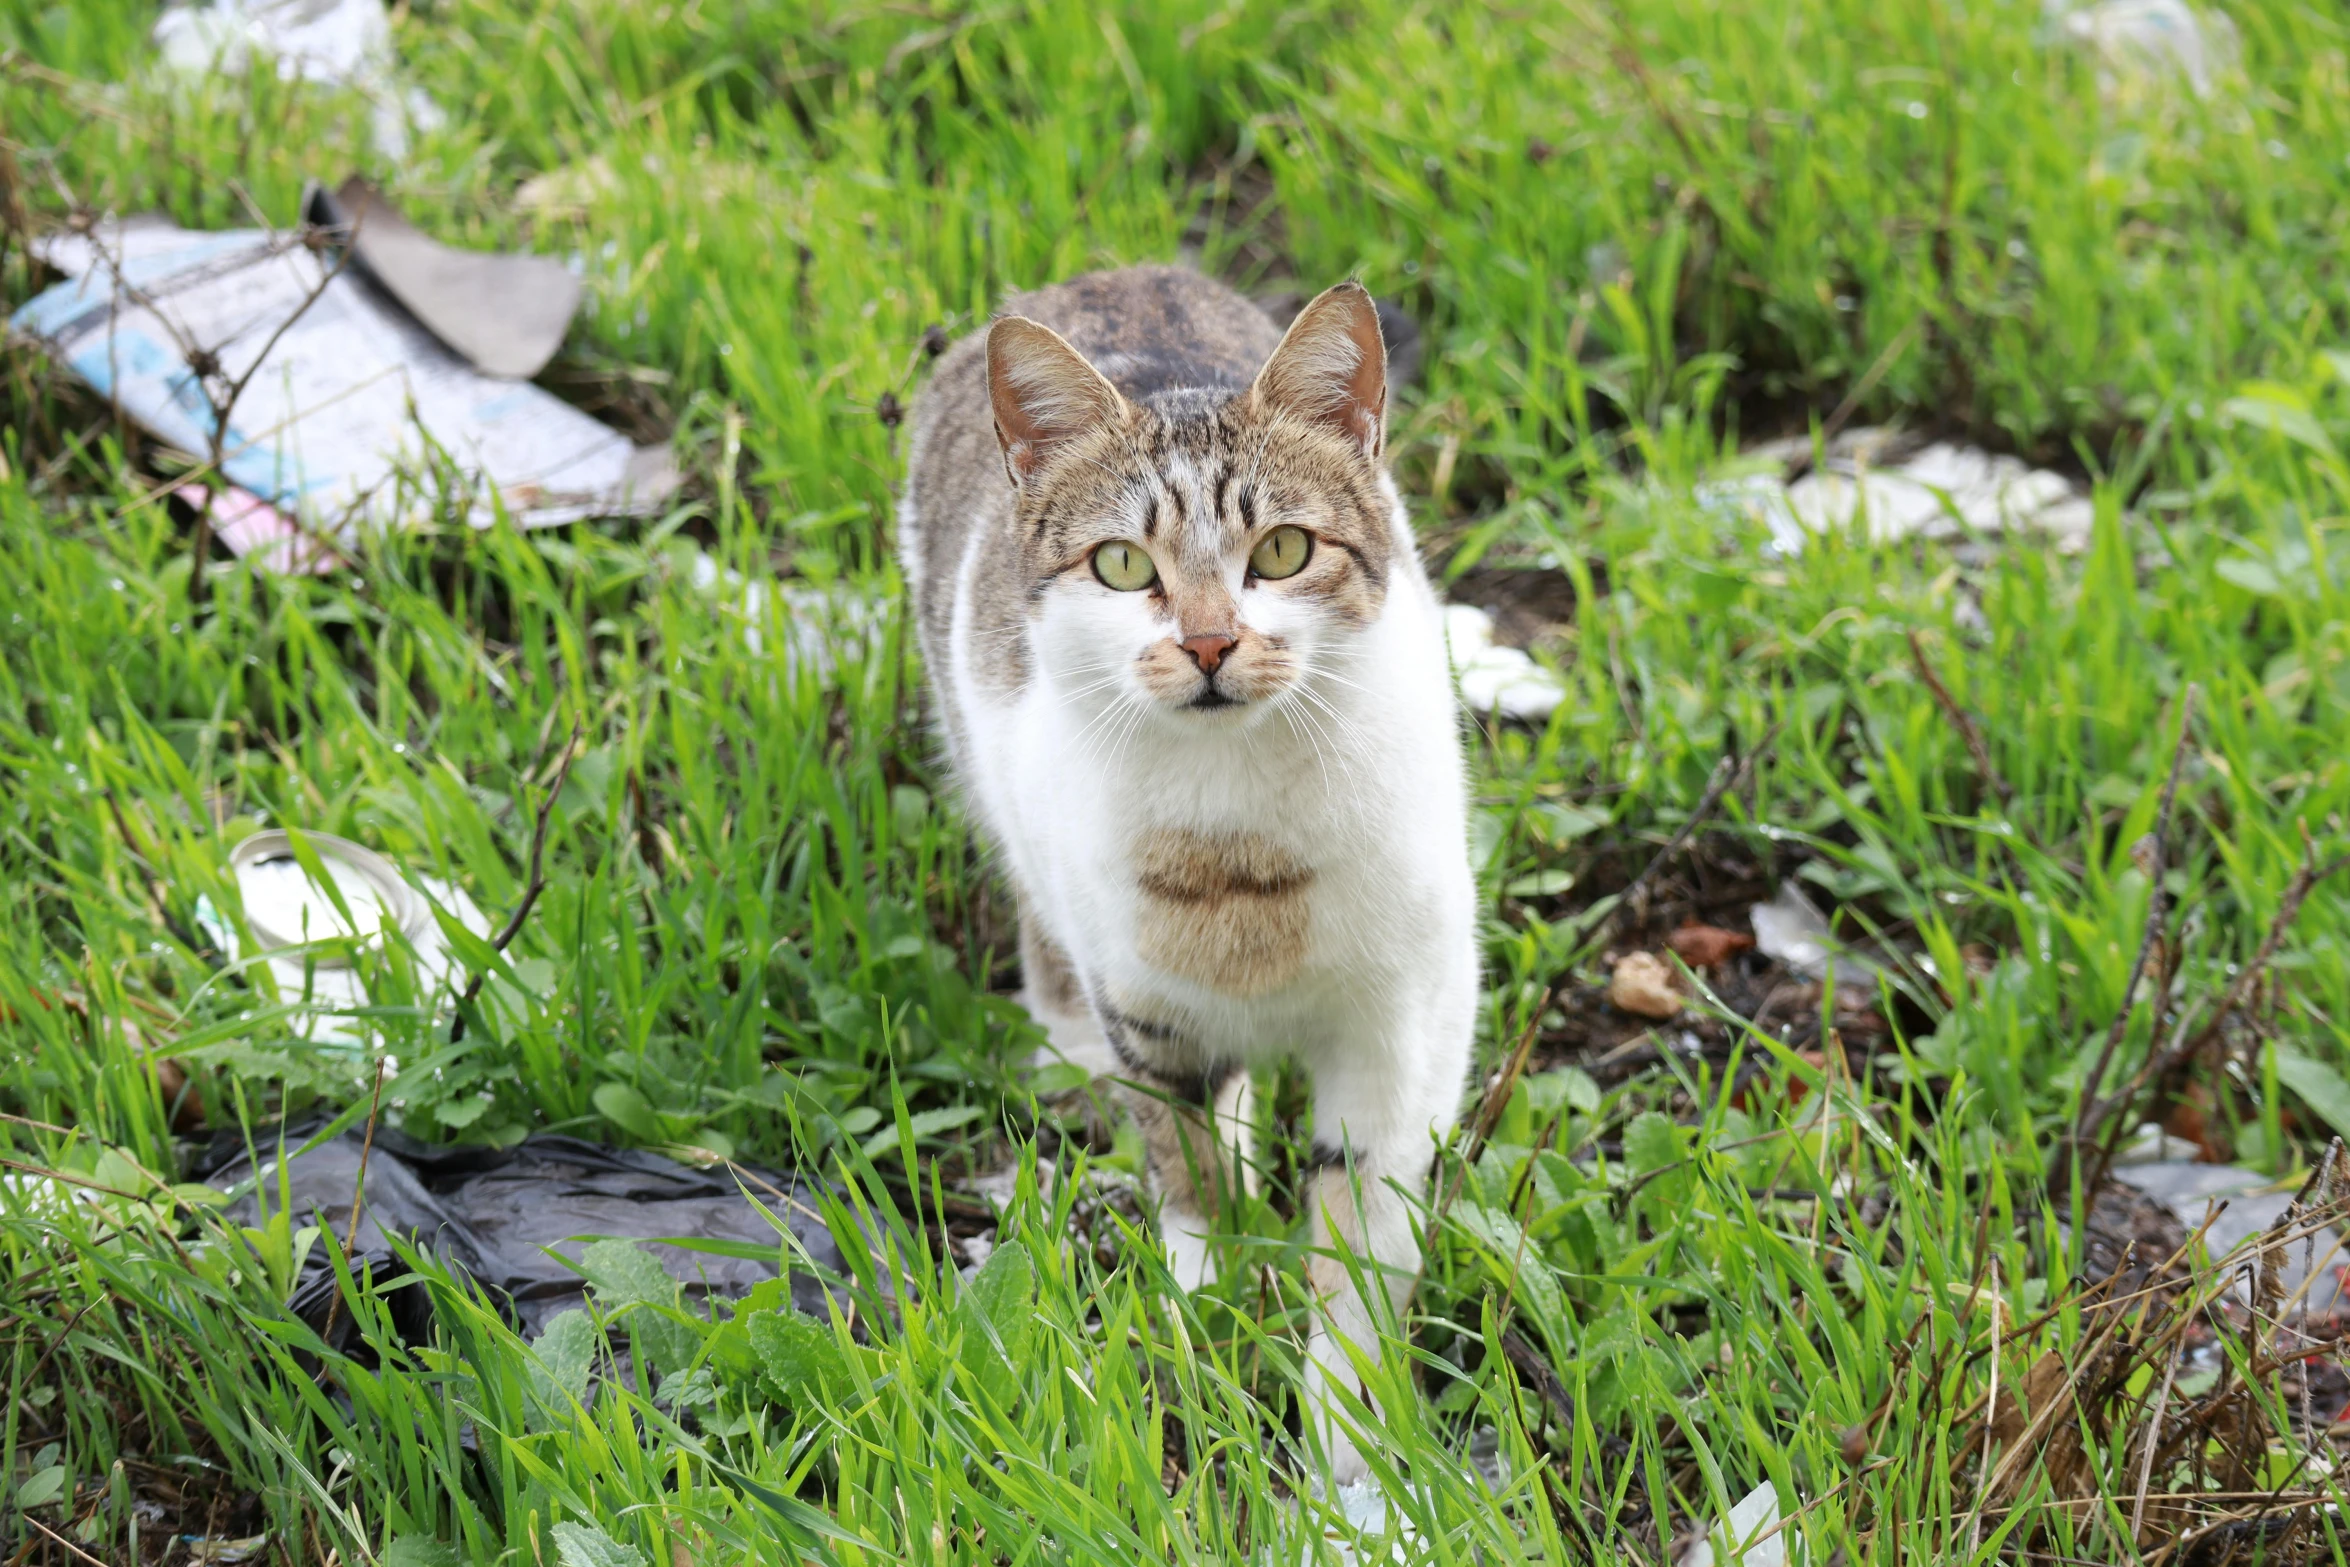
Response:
column 1195, row 1114
column 1376, row 1129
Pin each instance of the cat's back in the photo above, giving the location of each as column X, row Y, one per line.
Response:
column 1152, row 331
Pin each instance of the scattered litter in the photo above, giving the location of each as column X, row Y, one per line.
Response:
column 1494, row 678
column 1706, row 946
column 505, row 314
column 2150, row 1144
column 1791, row 928
column 337, row 43
column 570, row 191
column 819, row 622
column 2148, row 42
column 1643, row 985
column 1750, row 1536
column 307, row 943
column 2253, row 1203
column 351, row 397
column 45, row 1195
column 249, row 525
column 996, row 1188
column 1366, row 1528
column 1942, row 492
column 517, row 1219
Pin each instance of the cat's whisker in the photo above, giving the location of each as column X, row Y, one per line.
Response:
column 1289, row 717
column 1345, row 766
column 1347, row 723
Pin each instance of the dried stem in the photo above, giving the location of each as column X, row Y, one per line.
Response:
column 1729, row 773
column 1961, row 720
column 358, row 1203
column 2183, row 1049
column 2068, row 1153
column 224, row 407
column 534, row 883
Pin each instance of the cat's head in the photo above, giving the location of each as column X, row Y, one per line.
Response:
column 1201, row 553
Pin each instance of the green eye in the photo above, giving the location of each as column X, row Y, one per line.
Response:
column 1282, row 553
column 1124, row 566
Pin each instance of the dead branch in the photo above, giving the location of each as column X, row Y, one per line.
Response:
column 224, row 405
column 358, row 1204
column 2185, row 1047
column 2158, row 841
column 1962, row 721
column 1729, row 773
column 1497, row 1098
column 534, row 882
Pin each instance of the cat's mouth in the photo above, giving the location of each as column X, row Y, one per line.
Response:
column 1211, row 699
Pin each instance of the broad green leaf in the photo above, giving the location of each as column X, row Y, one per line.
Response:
column 2253, row 576
column 585, row 1545
column 1516, row 1262
column 925, row 1124
column 627, row 1109
column 625, row 1276
column 419, row 1550
column 998, row 1309
column 2264, row 405
column 1652, row 1142
column 566, row 1351
column 1542, row 884
column 42, row 1487
column 799, row 1355
column 2320, row 1085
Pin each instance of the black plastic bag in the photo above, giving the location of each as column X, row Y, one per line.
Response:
column 496, row 1214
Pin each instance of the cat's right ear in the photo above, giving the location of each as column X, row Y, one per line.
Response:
column 1044, row 393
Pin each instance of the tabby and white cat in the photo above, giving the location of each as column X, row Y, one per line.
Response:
column 1193, row 679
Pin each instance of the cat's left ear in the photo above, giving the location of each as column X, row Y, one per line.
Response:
column 1331, row 369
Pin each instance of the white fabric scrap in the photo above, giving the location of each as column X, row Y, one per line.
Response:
column 1494, row 678
column 1742, row 1535
column 340, row 43
column 2312, row 1267
column 819, row 622
column 1792, row 929
column 2139, row 43
column 1944, row 492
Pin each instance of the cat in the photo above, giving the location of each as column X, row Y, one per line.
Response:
column 1193, row 679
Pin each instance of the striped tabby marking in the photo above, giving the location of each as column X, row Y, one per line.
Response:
column 1225, row 910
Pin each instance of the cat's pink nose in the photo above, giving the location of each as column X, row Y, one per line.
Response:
column 1207, row 651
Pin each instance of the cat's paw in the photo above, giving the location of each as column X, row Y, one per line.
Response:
column 1188, row 1257
column 1347, row 1464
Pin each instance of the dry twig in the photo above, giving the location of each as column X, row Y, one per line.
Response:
column 2158, row 846
column 1728, row 774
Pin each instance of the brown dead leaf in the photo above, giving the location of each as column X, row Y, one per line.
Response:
column 1704, row 946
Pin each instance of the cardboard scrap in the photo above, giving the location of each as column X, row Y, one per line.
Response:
column 250, row 526
column 505, row 313
column 353, row 401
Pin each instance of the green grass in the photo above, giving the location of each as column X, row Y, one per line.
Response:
column 1630, row 235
